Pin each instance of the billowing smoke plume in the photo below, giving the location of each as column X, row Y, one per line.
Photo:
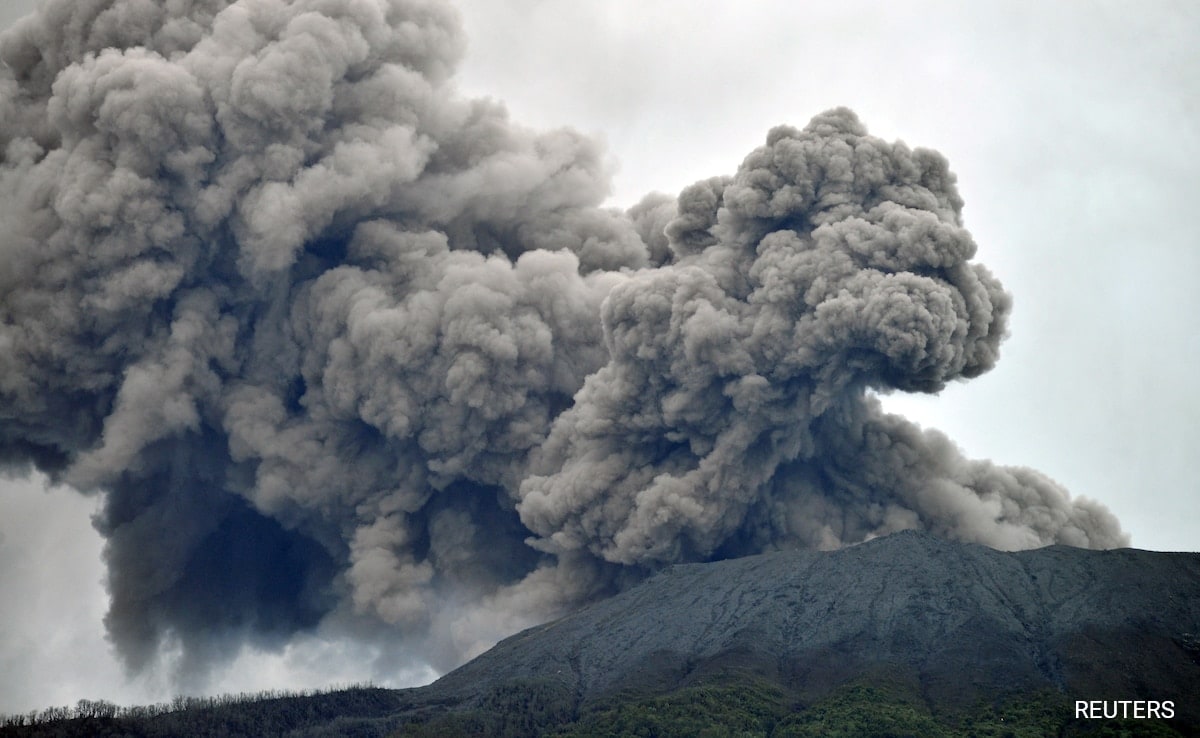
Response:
column 337, row 344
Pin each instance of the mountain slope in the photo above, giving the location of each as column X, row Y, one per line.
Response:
column 962, row 622
column 904, row 635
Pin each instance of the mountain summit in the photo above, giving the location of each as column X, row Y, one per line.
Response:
column 961, row 622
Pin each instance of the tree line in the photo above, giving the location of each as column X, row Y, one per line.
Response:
column 92, row 710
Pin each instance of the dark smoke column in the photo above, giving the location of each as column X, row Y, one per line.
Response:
column 341, row 349
column 733, row 415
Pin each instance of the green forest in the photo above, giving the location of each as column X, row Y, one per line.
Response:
column 741, row 707
column 754, row 708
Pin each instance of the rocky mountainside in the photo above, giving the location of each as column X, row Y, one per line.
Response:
column 961, row 622
column 939, row 638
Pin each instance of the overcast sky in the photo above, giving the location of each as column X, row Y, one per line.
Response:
column 1073, row 127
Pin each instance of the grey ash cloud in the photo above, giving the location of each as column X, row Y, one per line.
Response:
column 339, row 345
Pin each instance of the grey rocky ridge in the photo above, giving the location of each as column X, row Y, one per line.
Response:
column 968, row 620
column 345, row 351
column 961, row 625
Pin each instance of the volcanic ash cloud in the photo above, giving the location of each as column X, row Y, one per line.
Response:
column 340, row 348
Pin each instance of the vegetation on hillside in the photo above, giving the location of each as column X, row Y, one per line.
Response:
column 750, row 707
column 518, row 708
column 357, row 710
column 727, row 706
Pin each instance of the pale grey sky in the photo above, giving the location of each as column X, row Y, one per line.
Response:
column 1072, row 126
